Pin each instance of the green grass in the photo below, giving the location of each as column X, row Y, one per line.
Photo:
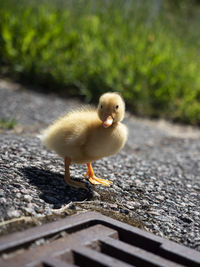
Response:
column 7, row 124
column 89, row 47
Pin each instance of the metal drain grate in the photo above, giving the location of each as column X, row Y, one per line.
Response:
column 91, row 239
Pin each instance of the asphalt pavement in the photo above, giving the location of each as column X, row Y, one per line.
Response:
column 156, row 177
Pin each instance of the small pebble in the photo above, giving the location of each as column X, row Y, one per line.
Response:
column 2, row 193
column 13, row 213
column 28, row 198
column 159, row 197
column 3, row 200
column 18, row 195
column 124, row 211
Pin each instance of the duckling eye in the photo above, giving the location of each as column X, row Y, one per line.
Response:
column 116, row 107
column 101, row 106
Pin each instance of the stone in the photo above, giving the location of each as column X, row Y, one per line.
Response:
column 2, row 193
column 3, row 200
column 18, row 195
column 28, row 198
column 124, row 211
column 13, row 213
column 159, row 197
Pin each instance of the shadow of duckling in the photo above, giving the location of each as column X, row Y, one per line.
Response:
column 53, row 188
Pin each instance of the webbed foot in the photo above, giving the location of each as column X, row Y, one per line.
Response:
column 95, row 180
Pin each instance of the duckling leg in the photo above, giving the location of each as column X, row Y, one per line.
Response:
column 68, row 179
column 93, row 179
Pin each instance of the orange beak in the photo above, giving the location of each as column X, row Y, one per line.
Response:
column 108, row 122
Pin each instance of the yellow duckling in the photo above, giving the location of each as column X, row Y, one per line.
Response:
column 87, row 134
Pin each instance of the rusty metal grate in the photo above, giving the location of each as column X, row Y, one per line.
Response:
column 91, row 239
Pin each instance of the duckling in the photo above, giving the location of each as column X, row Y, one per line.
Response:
column 87, row 134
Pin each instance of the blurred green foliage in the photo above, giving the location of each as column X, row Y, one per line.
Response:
column 143, row 49
column 7, row 124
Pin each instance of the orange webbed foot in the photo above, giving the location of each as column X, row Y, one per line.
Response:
column 95, row 180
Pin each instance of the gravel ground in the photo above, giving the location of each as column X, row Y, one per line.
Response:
column 156, row 177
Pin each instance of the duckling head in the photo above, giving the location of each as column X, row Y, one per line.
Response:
column 111, row 109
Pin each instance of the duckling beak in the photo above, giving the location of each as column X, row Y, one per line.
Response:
column 108, row 122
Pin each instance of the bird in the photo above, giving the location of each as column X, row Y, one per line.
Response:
column 87, row 134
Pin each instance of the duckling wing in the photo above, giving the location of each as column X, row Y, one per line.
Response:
column 68, row 134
